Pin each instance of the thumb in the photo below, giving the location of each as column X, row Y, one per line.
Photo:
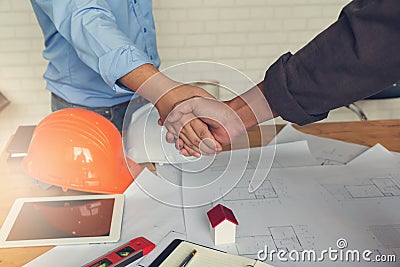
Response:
column 181, row 109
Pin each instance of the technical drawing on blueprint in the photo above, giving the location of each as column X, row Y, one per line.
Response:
column 276, row 238
column 369, row 188
column 308, row 208
column 266, row 191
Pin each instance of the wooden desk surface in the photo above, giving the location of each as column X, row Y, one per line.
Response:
column 15, row 184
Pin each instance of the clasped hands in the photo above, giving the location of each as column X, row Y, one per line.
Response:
column 201, row 125
column 196, row 122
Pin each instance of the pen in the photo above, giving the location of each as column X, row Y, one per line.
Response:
column 188, row 258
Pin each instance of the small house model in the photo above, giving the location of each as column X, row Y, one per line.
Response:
column 222, row 224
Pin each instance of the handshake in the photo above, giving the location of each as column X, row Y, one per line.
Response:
column 198, row 124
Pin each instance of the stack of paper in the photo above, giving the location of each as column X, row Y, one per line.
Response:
column 309, row 199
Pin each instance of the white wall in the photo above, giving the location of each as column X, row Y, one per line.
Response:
column 21, row 43
column 248, row 35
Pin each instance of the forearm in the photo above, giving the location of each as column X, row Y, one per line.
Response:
column 252, row 107
column 159, row 89
column 148, row 82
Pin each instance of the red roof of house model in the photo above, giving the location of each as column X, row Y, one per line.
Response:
column 220, row 213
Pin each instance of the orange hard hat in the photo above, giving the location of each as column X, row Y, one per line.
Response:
column 81, row 150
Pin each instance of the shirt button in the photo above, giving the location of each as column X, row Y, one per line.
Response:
column 151, row 57
column 144, row 30
column 135, row 1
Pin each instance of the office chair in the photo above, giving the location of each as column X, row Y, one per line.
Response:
column 392, row 91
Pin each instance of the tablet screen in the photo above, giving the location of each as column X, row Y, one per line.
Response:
column 63, row 220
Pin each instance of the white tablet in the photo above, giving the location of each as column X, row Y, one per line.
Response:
column 64, row 220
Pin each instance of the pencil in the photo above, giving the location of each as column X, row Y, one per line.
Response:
column 185, row 261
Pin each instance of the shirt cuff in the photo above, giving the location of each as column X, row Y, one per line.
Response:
column 120, row 62
column 281, row 99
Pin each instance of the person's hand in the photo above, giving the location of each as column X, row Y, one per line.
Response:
column 222, row 122
column 194, row 132
column 194, row 138
column 166, row 103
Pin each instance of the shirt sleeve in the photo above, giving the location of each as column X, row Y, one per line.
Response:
column 91, row 28
column 356, row 57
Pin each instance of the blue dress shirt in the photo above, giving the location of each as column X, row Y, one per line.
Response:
column 90, row 44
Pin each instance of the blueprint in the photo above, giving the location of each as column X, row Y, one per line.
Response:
column 327, row 151
column 303, row 208
column 376, row 152
column 231, row 168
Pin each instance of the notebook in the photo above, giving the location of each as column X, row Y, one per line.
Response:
column 205, row 257
column 19, row 144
